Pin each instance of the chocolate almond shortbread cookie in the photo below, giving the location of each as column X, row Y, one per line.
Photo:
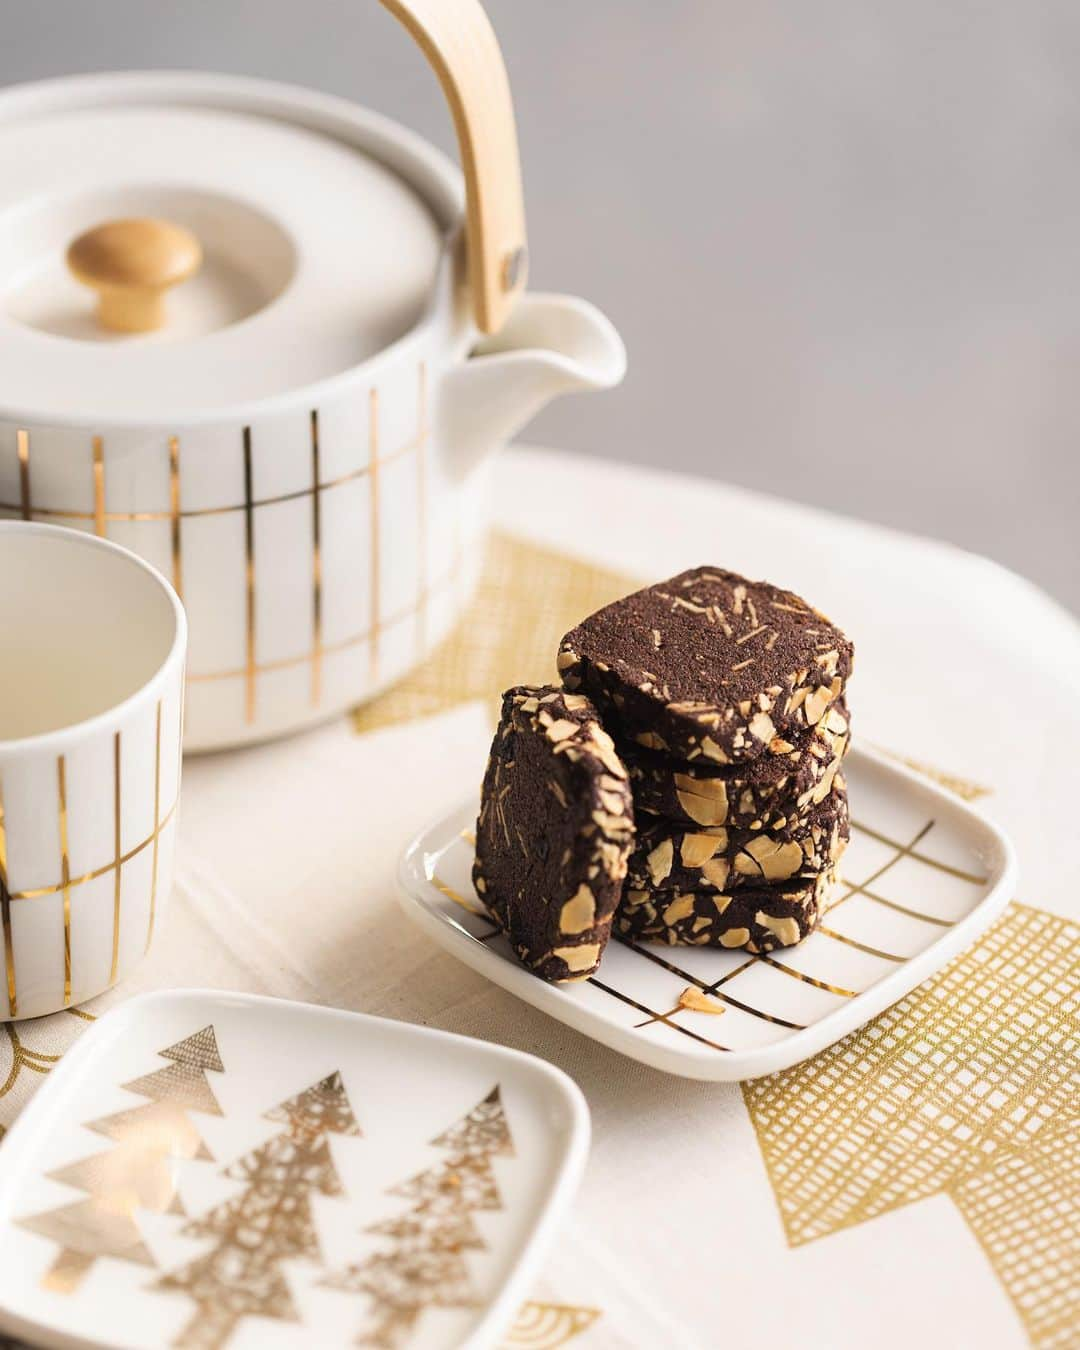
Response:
column 668, row 857
column 756, row 792
column 758, row 919
column 709, row 666
column 555, row 829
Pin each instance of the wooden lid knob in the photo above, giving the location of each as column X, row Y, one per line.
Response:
column 131, row 264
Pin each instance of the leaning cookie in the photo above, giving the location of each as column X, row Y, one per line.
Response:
column 761, row 793
column 667, row 857
column 556, row 827
column 709, row 666
column 758, row 919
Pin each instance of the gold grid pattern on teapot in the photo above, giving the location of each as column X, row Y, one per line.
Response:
column 100, row 517
column 68, row 883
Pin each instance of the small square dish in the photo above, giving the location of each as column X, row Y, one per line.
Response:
column 923, row 876
column 222, row 1170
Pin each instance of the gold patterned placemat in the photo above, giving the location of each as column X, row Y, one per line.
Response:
column 969, row 1086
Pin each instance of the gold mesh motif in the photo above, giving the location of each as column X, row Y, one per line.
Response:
column 970, row 1086
column 526, row 600
column 1025, row 1212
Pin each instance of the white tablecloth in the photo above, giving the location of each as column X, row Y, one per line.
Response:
column 286, row 879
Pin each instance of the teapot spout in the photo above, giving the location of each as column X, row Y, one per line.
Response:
column 551, row 344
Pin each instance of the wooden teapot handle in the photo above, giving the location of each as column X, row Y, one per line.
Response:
column 458, row 40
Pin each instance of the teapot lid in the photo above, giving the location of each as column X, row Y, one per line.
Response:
column 297, row 235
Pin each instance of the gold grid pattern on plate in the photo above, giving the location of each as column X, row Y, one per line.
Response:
column 716, row 989
column 67, row 883
column 720, row 989
column 101, row 517
column 967, row 1086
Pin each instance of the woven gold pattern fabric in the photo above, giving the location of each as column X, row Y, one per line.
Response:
column 527, row 598
column 1025, row 1211
column 969, row 1086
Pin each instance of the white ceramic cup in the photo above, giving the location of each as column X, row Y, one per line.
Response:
column 92, row 649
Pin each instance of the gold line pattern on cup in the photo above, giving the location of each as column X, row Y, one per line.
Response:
column 250, row 670
column 40, row 892
column 5, row 912
column 99, row 486
column 157, row 827
column 65, row 872
column 373, row 492
column 116, row 860
column 22, row 448
column 316, row 567
column 175, row 515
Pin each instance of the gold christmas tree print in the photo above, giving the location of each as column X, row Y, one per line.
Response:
column 423, row 1263
column 139, row 1173
column 268, row 1222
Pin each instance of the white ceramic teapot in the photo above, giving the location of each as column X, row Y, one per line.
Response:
column 268, row 340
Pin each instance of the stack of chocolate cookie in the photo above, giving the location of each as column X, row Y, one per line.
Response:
column 684, row 785
column 725, row 699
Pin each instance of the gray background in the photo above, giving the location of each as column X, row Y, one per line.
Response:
column 841, row 239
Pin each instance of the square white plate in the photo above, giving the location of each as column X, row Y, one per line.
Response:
column 468, row 1151
column 923, row 876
